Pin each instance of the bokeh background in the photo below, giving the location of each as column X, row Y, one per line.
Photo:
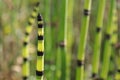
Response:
column 14, row 16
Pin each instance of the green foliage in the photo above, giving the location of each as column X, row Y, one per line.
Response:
column 75, row 47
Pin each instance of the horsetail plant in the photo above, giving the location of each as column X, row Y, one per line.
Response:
column 54, row 26
column 48, row 39
column 117, row 56
column 114, row 38
column 108, row 44
column 55, row 22
column 98, row 37
column 61, row 55
column 63, row 41
column 69, row 35
column 40, row 49
column 83, row 38
column 47, row 29
column 25, row 53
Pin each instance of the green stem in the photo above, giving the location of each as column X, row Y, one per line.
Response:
column 25, row 53
column 107, row 45
column 55, row 22
column 62, row 43
column 48, row 41
column 48, row 38
column 61, row 55
column 98, row 37
column 69, row 34
column 54, row 39
column 83, row 39
column 114, row 41
column 40, row 50
column 117, row 56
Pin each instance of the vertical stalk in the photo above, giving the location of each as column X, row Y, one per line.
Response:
column 61, row 55
column 40, row 50
column 48, row 41
column 114, row 41
column 62, row 45
column 69, row 35
column 117, row 75
column 111, row 69
column 107, row 45
column 117, row 56
column 98, row 37
column 54, row 26
column 47, row 29
column 25, row 53
column 83, row 39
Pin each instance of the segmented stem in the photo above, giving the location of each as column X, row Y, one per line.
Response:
column 98, row 37
column 108, row 44
column 25, row 53
column 83, row 38
column 40, row 50
column 114, row 40
column 117, row 56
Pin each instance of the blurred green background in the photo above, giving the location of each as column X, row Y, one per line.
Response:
column 14, row 16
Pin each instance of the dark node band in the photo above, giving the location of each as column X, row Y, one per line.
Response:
column 26, row 33
column 40, row 37
column 111, row 58
column 39, row 73
column 29, row 23
column 40, row 53
column 98, row 29
column 37, row 4
column 110, row 73
column 86, row 12
column 62, row 44
column 39, row 17
column 40, row 25
column 107, row 36
column 94, row 75
column 25, row 43
column 118, row 70
column 35, row 10
column 80, row 63
column 25, row 77
column 25, row 59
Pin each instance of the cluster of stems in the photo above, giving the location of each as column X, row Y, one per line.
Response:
column 64, row 23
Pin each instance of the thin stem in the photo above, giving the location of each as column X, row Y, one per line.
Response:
column 48, row 38
column 25, row 53
column 69, row 35
column 107, row 45
column 117, row 56
column 40, row 50
column 83, row 39
column 98, row 37
column 114, row 41
column 61, row 55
